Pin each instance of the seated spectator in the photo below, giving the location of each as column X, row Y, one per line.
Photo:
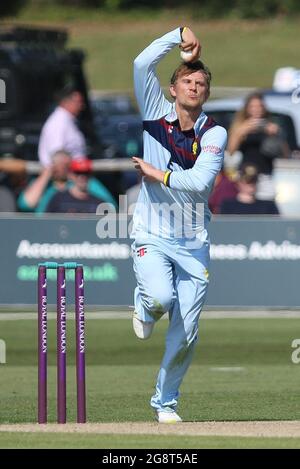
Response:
column 60, row 129
column 132, row 195
column 76, row 199
column 54, row 179
column 12, row 176
column 224, row 188
column 259, row 140
column 246, row 202
column 12, row 165
column 7, row 200
column 127, row 201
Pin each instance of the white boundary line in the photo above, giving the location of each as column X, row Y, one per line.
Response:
column 16, row 316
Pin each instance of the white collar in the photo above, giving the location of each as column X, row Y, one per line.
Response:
column 64, row 111
column 172, row 117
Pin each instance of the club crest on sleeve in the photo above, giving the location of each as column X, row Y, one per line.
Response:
column 141, row 251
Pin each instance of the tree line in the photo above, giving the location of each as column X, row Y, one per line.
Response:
column 200, row 8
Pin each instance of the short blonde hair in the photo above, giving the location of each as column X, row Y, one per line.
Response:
column 186, row 68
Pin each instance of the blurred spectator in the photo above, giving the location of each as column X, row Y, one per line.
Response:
column 60, row 129
column 12, row 165
column 53, row 179
column 76, row 199
column 12, row 174
column 259, row 140
column 246, row 202
column 132, row 194
column 128, row 200
column 224, row 188
column 7, row 200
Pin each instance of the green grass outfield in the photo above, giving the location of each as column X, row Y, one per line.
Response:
column 242, row 370
column 239, row 53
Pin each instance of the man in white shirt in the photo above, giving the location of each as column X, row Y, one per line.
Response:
column 60, row 130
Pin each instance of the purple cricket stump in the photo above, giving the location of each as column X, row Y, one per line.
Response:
column 80, row 345
column 61, row 346
column 42, row 344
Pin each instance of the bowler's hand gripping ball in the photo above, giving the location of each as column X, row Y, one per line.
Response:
column 186, row 55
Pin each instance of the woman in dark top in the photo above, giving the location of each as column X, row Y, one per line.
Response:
column 258, row 139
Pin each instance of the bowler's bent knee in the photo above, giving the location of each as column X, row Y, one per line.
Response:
column 157, row 305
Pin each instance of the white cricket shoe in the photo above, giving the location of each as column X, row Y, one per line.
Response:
column 167, row 417
column 142, row 329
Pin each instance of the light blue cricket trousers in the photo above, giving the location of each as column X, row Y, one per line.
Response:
column 171, row 277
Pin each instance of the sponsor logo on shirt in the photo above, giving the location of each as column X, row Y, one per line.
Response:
column 211, row 149
column 141, row 251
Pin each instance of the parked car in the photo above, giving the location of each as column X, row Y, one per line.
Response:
column 120, row 129
column 118, row 124
column 112, row 104
column 35, row 63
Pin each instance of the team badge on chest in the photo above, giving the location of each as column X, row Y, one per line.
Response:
column 195, row 147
